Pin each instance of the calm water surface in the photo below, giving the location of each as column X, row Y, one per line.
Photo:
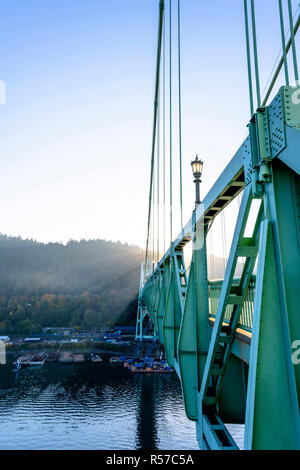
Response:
column 91, row 406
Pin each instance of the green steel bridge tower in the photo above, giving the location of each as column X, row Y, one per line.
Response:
column 235, row 343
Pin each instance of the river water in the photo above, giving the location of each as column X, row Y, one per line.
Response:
column 91, row 406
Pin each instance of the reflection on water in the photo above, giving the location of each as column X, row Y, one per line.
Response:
column 91, row 406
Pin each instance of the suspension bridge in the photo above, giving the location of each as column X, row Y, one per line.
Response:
column 233, row 341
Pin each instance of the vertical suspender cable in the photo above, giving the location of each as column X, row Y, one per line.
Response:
column 151, row 237
column 277, row 71
column 170, row 79
column 158, row 176
column 164, row 132
column 239, row 200
column 286, row 70
column 153, row 219
column 147, row 259
column 161, row 15
column 209, row 257
column 248, row 57
column 293, row 41
column 212, row 276
column 179, row 114
column 224, row 244
column 255, row 54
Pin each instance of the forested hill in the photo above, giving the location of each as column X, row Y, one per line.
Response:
column 85, row 284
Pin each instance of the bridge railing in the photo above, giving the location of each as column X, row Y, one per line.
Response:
column 245, row 320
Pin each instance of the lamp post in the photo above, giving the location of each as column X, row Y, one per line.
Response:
column 197, row 166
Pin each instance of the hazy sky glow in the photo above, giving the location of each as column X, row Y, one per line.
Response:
column 75, row 134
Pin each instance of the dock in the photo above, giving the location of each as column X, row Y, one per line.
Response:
column 65, row 357
column 78, row 358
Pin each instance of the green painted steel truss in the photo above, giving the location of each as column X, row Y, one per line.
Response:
column 225, row 379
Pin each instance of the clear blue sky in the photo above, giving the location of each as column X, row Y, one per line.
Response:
column 75, row 133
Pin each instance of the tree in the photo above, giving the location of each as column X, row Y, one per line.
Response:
column 88, row 283
column 90, row 320
column 24, row 327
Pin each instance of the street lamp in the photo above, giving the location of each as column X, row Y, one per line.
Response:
column 197, row 166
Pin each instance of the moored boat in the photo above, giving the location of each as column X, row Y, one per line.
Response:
column 128, row 363
column 140, row 367
column 38, row 359
column 117, row 359
column 24, row 360
column 95, row 358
